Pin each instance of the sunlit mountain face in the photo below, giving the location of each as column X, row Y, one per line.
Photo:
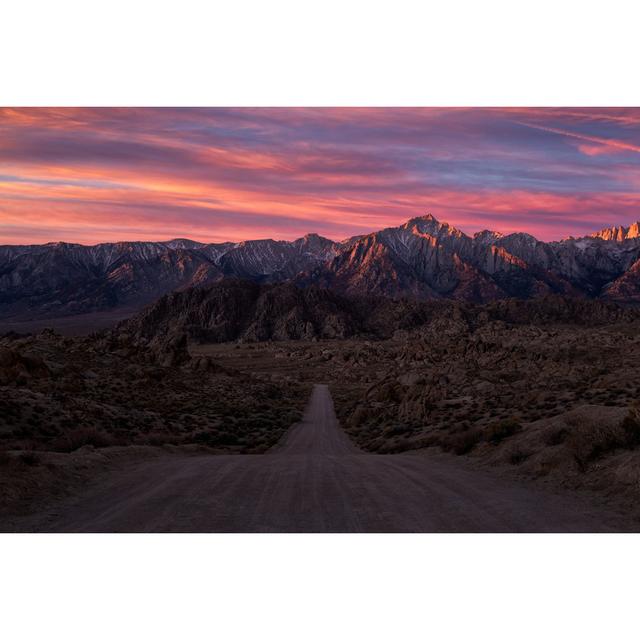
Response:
column 212, row 175
column 420, row 259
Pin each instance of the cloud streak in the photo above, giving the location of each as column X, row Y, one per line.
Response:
column 605, row 142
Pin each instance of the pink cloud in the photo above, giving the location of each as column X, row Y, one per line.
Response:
column 107, row 174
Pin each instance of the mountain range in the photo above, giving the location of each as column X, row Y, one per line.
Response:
column 423, row 259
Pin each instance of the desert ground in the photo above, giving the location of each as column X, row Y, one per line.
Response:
column 499, row 426
column 317, row 480
column 72, row 325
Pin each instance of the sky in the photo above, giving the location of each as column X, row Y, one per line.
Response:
column 101, row 175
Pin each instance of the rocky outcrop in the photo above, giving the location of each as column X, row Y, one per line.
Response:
column 16, row 368
column 171, row 351
column 245, row 311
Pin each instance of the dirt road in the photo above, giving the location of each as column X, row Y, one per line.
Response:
column 316, row 480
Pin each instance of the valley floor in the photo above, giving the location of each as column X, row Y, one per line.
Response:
column 72, row 325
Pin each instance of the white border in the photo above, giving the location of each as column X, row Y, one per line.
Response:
column 335, row 52
column 319, row 587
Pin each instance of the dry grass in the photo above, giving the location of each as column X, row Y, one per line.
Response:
column 104, row 395
column 591, row 438
column 499, row 431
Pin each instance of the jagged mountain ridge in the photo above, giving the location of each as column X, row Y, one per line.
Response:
column 429, row 259
column 619, row 233
column 423, row 258
column 62, row 279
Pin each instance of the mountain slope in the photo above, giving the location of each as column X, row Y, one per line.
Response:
column 237, row 309
column 626, row 289
column 423, row 259
column 69, row 279
column 60, row 279
column 428, row 259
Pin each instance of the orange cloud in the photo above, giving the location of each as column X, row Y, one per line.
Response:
column 107, row 174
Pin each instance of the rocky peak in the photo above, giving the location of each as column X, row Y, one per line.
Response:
column 182, row 243
column 487, row 236
column 430, row 225
column 520, row 236
column 618, row 233
column 316, row 244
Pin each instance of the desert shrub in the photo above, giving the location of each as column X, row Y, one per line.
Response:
column 216, row 438
column 207, row 438
column 227, row 438
column 30, row 458
column 430, row 440
column 358, row 417
column 588, row 441
column 397, row 430
column 77, row 438
column 388, row 392
column 462, row 443
column 160, row 439
column 373, row 444
column 499, row 431
column 518, row 456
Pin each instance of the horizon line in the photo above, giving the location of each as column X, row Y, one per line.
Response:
column 314, row 233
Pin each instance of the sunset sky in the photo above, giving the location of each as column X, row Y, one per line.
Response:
column 100, row 175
